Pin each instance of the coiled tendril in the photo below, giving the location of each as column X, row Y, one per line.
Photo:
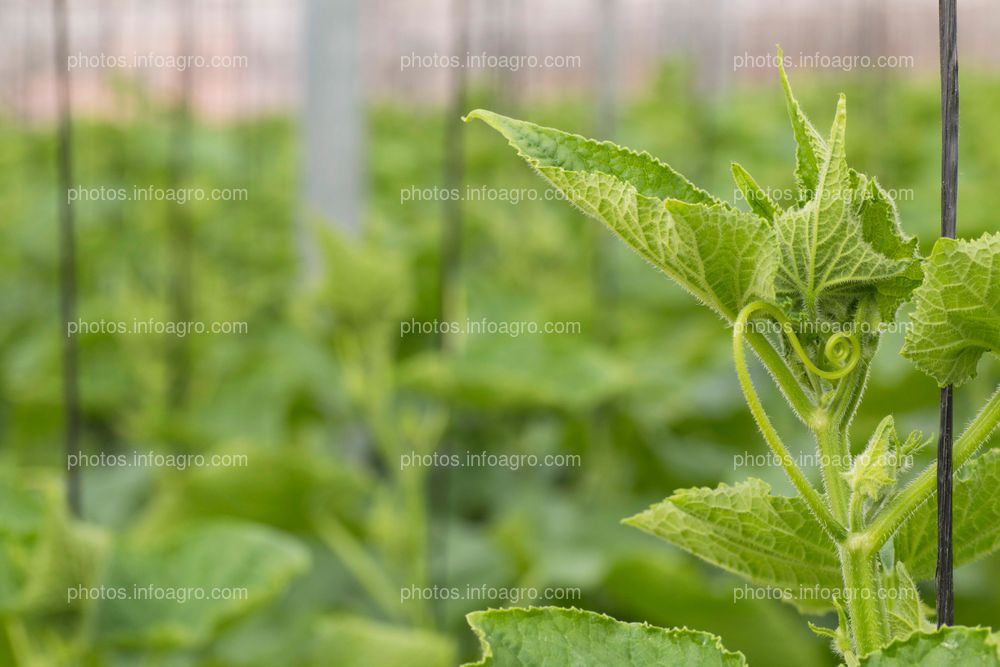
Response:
column 843, row 350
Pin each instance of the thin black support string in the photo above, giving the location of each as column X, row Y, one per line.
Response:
column 943, row 576
column 948, row 25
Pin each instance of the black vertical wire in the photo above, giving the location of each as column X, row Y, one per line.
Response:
column 948, row 25
column 67, row 254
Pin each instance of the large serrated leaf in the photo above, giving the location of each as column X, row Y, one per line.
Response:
column 548, row 148
column 955, row 646
column 556, row 637
column 976, row 511
column 724, row 257
column 957, row 316
column 770, row 540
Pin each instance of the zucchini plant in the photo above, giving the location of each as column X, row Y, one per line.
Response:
column 809, row 287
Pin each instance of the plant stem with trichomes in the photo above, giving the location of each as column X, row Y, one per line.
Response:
column 840, row 512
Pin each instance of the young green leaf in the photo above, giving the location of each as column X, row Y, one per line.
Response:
column 946, row 647
column 870, row 205
column 824, row 249
column 876, row 210
column 906, row 612
column 957, row 315
column 770, row 540
column 724, row 257
column 840, row 638
column 976, row 530
column 873, row 472
column 810, row 150
column 754, row 195
column 880, row 228
column 557, row 637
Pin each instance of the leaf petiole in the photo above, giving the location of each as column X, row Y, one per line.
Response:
column 811, row 496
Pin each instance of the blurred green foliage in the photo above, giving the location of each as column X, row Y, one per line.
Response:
column 323, row 524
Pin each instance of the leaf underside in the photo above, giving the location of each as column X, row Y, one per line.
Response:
column 904, row 608
column 725, row 257
column 769, row 540
column 957, row 314
column 976, row 526
column 956, row 646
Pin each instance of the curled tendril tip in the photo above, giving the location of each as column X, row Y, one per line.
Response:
column 843, row 350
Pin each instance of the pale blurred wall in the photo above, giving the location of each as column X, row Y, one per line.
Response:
column 267, row 33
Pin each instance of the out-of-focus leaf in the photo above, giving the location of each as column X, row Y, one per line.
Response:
column 522, row 374
column 181, row 591
column 764, row 630
column 976, row 529
column 352, row 641
column 43, row 552
column 557, row 637
column 277, row 487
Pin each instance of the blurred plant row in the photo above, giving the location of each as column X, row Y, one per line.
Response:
column 324, row 526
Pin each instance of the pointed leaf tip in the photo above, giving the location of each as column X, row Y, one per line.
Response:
column 726, row 258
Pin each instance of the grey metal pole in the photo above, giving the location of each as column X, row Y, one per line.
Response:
column 332, row 120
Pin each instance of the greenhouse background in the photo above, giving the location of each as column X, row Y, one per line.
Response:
column 348, row 371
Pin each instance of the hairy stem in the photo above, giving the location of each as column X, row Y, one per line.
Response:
column 848, row 395
column 924, row 486
column 790, row 387
column 811, row 496
column 856, row 513
column 861, row 589
column 831, row 442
